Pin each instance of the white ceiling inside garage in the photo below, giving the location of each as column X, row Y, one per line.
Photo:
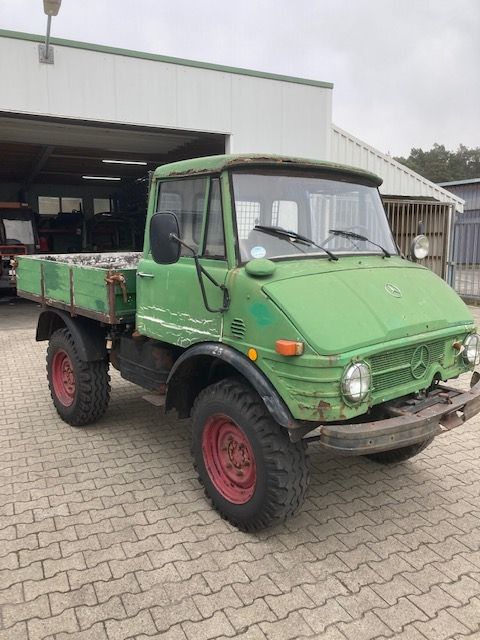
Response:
column 49, row 150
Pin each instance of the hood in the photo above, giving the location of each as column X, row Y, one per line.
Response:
column 344, row 310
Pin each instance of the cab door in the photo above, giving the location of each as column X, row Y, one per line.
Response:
column 170, row 305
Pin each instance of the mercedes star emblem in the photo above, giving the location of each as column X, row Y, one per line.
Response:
column 420, row 361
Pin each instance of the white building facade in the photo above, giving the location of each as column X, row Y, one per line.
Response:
column 126, row 102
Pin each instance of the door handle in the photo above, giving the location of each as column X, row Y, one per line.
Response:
column 145, row 275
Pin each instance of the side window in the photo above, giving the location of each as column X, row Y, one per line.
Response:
column 185, row 198
column 215, row 239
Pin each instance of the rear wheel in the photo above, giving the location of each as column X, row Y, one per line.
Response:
column 399, row 455
column 251, row 472
column 80, row 390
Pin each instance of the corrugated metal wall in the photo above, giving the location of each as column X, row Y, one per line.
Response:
column 398, row 180
column 469, row 192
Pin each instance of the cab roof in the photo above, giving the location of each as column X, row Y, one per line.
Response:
column 216, row 164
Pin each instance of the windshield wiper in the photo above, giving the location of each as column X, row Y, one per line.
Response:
column 279, row 231
column 357, row 236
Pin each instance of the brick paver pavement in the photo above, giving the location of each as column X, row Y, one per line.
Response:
column 105, row 532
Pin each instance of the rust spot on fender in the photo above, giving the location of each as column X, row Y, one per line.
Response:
column 322, row 407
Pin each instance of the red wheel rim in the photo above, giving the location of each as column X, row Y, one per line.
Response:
column 229, row 459
column 63, row 378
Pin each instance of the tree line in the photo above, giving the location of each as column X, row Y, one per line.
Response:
column 441, row 165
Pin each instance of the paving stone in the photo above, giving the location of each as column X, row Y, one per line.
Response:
column 293, row 626
column 153, row 597
column 79, row 578
column 96, row 632
column 172, row 614
column 181, row 589
column 129, row 627
column 468, row 614
column 403, row 612
column 14, row 594
column 67, row 600
column 369, row 626
column 396, row 588
column 89, row 614
column 231, row 575
column 106, row 589
column 265, row 585
column 18, row 632
column 65, row 622
column 325, row 615
column 13, row 613
column 208, row 604
column 443, row 627
column 214, row 627
column 357, row 604
column 434, row 601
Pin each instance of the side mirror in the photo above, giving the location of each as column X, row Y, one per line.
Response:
column 164, row 231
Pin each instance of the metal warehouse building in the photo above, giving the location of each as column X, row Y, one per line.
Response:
column 465, row 258
column 59, row 122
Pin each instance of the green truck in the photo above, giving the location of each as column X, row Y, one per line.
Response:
column 272, row 306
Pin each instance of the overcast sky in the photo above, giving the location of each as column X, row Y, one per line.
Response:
column 406, row 72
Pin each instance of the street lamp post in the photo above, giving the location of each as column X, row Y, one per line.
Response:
column 45, row 51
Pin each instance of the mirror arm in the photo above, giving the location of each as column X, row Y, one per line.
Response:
column 201, row 271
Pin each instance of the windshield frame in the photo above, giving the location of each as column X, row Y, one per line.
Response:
column 333, row 175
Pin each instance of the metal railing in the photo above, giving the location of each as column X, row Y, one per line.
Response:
column 464, row 274
column 407, row 217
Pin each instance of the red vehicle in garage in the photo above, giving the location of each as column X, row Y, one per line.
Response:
column 18, row 237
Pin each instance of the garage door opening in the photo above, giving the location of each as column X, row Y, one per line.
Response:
column 86, row 183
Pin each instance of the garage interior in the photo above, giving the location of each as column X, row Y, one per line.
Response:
column 87, row 182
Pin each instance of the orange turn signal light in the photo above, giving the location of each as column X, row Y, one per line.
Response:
column 289, row 347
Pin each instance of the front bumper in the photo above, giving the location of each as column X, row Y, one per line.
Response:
column 411, row 423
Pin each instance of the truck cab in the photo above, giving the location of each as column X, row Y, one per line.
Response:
column 305, row 255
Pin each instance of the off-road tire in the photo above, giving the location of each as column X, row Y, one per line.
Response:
column 91, row 380
column 282, row 470
column 399, row 455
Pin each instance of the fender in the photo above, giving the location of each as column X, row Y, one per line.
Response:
column 271, row 399
column 88, row 335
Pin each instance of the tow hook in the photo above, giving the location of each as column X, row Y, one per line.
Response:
column 445, row 396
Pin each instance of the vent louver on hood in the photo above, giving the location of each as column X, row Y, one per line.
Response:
column 238, row 328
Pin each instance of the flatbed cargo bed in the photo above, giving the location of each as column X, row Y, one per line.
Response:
column 101, row 286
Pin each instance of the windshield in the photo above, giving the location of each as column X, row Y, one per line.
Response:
column 315, row 207
column 18, row 231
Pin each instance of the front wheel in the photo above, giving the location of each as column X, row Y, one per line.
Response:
column 401, row 454
column 80, row 390
column 251, row 471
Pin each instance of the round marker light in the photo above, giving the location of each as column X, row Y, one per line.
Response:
column 356, row 382
column 420, row 247
column 471, row 354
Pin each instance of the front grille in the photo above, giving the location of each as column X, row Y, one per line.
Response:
column 393, row 368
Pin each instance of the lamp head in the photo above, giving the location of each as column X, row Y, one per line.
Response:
column 51, row 7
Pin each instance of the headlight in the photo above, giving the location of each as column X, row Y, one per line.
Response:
column 471, row 353
column 356, row 382
column 420, row 247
